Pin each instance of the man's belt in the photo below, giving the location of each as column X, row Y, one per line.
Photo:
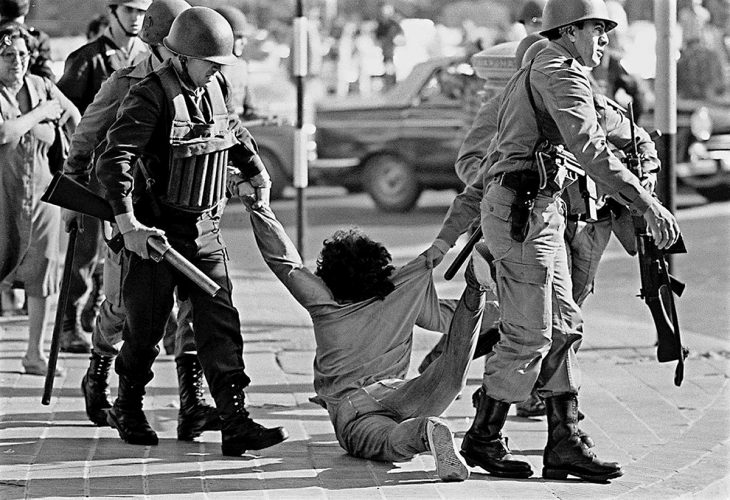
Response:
column 515, row 181
column 602, row 213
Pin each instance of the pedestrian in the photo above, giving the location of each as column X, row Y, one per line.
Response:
column 364, row 310
column 40, row 59
column 176, row 125
column 85, row 70
column 523, row 222
column 388, row 33
column 31, row 107
column 194, row 415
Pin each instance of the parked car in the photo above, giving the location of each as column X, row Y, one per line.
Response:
column 707, row 165
column 396, row 144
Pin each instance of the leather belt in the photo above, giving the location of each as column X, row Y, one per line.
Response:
column 513, row 181
column 602, row 213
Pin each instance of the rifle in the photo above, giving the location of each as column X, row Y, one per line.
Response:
column 58, row 322
column 69, row 194
column 658, row 286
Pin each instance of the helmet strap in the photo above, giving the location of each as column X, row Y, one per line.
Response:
column 119, row 22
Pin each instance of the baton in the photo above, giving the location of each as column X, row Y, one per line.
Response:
column 464, row 254
column 60, row 309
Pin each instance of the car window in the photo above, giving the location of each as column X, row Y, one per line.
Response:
column 446, row 86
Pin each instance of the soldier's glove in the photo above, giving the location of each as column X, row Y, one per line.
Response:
column 135, row 234
column 261, row 182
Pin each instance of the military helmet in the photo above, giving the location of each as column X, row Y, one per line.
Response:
column 532, row 9
column 236, row 18
column 158, row 19
column 202, row 33
column 559, row 13
column 14, row 8
column 135, row 4
column 525, row 45
column 533, row 50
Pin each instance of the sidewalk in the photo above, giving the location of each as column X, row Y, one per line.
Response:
column 672, row 442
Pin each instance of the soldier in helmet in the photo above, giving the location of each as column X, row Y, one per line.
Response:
column 238, row 75
column 84, row 72
column 194, row 416
column 40, row 61
column 176, row 126
column 523, row 220
column 531, row 16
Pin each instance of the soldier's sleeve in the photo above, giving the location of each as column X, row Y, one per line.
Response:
column 568, row 98
column 618, row 133
column 74, row 81
column 91, row 132
column 464, row 210
column 477, row 140
column 139, row 116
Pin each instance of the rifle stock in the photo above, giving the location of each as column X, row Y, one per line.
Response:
column 58, row 322
column 69, row 194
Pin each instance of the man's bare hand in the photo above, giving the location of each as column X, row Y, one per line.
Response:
column 434, row 256
column 662, row 225
column 135, row 240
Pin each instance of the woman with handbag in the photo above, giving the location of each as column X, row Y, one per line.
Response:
column 30, row 108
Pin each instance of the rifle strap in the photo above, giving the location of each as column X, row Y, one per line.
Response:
column 149, row 184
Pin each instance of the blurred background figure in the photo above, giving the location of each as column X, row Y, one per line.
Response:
column 238, row 74
column 531, row 16
column 30, row 109
column 96, row 27
column 40, row 58
column 388, row 33
column 701, row 67
column 85, row 70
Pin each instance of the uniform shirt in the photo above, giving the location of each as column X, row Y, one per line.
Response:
column 358, row 343
column 478, row 152
column 564, row 99
column 90, row 134
column 142, row 128
column 87, row 67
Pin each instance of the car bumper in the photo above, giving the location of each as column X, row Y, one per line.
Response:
column 706, row 167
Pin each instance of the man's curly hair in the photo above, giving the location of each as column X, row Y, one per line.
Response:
column 354, row 267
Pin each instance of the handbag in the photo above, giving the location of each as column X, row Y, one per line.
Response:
column 59, row 149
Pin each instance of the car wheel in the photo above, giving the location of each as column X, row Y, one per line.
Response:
column 391, row 183
column 279, row 179
column 719, row 192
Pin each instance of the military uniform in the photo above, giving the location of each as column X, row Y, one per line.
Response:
column 185, row 138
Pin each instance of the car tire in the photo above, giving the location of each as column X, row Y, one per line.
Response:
column 391, row 183
column 719, row 192
column 279, row 180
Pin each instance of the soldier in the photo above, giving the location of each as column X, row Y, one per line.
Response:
column 84, row 72
column 523, row 223
column 194, row 416
column 175, row 123
column 40, row 61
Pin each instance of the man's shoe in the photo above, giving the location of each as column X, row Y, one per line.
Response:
column 533, row 406
column 90, row 311
column 195, row 415
column 95, row 387
column 449, row 465
column 72, row 339
column 566, row 452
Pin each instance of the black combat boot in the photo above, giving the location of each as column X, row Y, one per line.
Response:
column 95, row 386
column 239, row 431
column 566, row 452
column 72, row 339
column 483, row 444
column 93, row 303
column 127, row 417
column 195, row 415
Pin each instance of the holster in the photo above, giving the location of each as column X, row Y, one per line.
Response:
column 525, row 194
